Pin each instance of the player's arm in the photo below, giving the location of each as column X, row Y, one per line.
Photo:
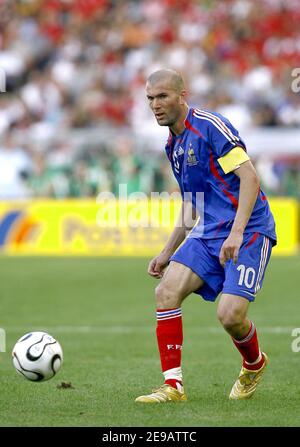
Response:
column 232, row 157
column 185, row 222
column 249, row 186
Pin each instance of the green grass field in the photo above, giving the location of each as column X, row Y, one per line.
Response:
column 102, row 311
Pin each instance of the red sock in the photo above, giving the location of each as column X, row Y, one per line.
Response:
column 169, row 339
column 249, row 349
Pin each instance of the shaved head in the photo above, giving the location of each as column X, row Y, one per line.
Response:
column 171, row 77
column 166, row 95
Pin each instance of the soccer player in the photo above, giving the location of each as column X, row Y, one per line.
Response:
column 226, row 252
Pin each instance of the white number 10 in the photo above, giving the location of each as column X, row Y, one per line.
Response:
column 247, row 276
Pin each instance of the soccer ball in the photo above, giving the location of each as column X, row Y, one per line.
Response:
column 37, row 356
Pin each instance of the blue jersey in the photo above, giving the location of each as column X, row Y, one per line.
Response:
column 194, row 156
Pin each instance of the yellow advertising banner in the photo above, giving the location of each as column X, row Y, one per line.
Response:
column 286, row 214
column 113, row 228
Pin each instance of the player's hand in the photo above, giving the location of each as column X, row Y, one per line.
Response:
column 230, row 248
column 157, row 265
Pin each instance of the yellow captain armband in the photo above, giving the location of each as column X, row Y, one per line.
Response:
column 233, row 159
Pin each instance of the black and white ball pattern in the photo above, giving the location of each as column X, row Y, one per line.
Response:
column 37, row 356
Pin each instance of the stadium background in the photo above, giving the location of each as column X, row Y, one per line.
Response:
column 74, row 122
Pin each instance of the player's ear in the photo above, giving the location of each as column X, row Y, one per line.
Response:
column 182, row 97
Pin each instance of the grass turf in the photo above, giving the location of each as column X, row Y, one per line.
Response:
column 102, row 312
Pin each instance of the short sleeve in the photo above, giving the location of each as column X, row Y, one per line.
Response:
column 222, row 135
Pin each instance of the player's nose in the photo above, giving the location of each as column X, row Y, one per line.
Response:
column 157, row 110
column 156, row 105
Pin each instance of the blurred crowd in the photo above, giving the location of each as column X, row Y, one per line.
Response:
column 82, row 64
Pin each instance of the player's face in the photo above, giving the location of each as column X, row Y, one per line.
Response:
column 164, row 102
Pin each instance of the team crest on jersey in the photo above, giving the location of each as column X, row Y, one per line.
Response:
column 191, row 160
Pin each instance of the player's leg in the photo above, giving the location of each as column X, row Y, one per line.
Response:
column 178, row 282
column 243, row 281
column 232, row 313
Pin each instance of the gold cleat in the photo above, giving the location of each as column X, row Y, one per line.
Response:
column 247, row 381
column 165, row 393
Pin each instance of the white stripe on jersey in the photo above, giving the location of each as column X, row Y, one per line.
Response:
column 218, row 123
column 221, row 123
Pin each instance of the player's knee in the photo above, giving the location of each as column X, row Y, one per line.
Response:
column 166, row 297
column 230, row 318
